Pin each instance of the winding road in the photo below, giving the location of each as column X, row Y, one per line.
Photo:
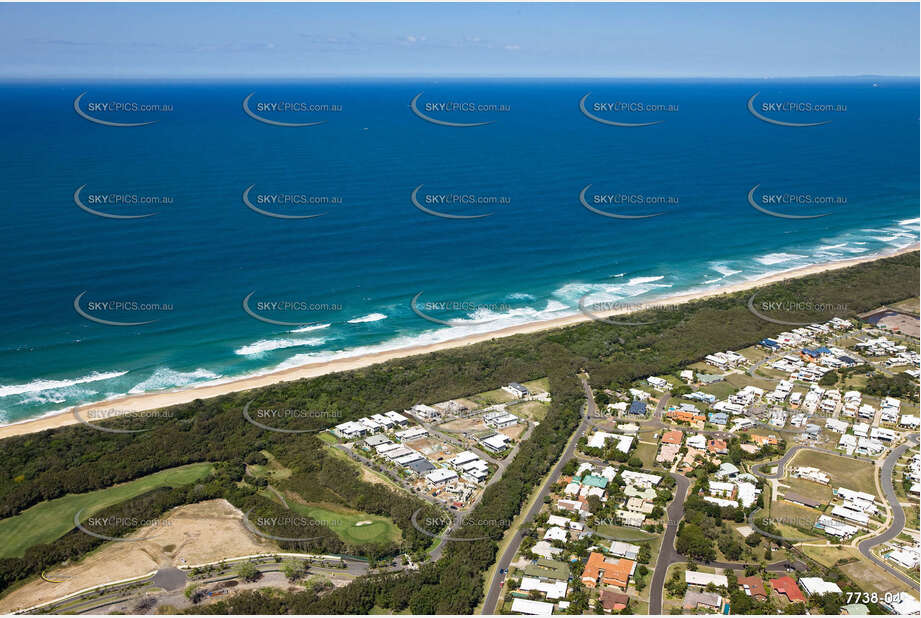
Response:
column 898, row 515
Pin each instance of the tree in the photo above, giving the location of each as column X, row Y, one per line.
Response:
column 248, row 572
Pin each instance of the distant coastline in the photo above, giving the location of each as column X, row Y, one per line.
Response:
column 163, row 399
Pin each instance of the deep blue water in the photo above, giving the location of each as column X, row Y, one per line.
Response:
column 532, row 258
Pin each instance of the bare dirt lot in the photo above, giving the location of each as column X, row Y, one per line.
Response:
column 191, row 534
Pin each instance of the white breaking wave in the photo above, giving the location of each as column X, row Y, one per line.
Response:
column 371, row 317
column 520, row 296
column 480, row 321
column 43, row 385
column 778, row 258
column 307, row 329
column 266, row 345
column 164, row 378
column 642, row 280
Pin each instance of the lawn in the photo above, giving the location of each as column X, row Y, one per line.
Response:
column 541, row 384
column 807, row 488
column 720, row 390
column 843, row 471
column 647, row 453
column 343, row 521
column 793, row 520
column 626, row 534
column 49, row 520
column 534, row 410
column 910, row 305
column 829, row 555
column 493, row 397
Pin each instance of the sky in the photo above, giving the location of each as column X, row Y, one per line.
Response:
column 241, row 40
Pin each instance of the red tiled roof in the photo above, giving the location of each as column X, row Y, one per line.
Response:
column 786, row 586
column 754, row 585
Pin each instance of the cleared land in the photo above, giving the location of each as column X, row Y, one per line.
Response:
column 192, row 534
column 51, row 519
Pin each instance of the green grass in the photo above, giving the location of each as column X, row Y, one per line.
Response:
column 720, row 390
column 49, row 520
column 540, row 384
column 624, row 533
column 530, row 409
column 843, row 471
column 647, row 453
column 342, row 520
column 493, row 397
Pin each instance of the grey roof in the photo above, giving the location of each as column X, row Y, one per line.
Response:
column 693, row 597
column 420, row 466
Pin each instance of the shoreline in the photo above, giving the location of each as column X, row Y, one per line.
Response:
column 163, row 399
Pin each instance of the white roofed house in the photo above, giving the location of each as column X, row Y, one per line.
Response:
column 640, row 479
column 866, row 446
column 463, row 458
column 397, row 418
column 556, row 533
column 697, row 578
column 413, row 433
column 818, row 586
column 624, row 550
column 441, row 476
column 496, row 443
column 382, row 420
column 499, row 419
column 517, row 390
column 425, row 412
column 351, row 430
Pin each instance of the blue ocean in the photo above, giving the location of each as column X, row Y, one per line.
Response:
column 213, row 241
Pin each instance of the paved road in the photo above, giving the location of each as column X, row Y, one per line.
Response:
column 898, row 515
column 667, row 554
column 493, row 596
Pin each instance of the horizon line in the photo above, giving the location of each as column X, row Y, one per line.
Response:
column 212, row 77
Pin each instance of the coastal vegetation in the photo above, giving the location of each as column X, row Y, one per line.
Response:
column 78, row 459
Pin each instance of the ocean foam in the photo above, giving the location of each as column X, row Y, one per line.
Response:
column 307, row 329
column 267, row 345
column 44, row 385
column 164, row 378
column 371, row 317
column 642, row 280
column 778, row 258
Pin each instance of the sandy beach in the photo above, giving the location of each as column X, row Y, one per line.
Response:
column 163, row 399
